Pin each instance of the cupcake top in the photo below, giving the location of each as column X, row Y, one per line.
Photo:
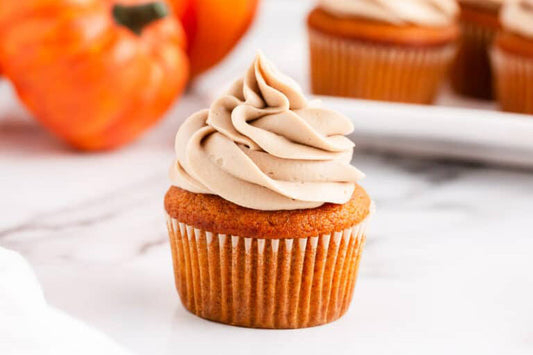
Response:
column 517, row 17
column 263, row 146
column 435, row 13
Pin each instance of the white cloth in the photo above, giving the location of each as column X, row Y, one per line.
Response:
column 28, row 325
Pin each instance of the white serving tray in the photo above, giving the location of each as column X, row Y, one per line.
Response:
column 478, row 135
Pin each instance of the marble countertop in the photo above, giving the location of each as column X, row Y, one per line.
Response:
column 447, row 267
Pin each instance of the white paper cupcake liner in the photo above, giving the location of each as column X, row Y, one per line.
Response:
column 265, row 283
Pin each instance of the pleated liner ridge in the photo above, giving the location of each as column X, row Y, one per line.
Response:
column 265, row 283
column 365, row 70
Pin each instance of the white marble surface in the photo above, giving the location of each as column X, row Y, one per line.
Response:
column 447, row 267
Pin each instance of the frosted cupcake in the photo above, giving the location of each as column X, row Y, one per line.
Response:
column 266, row 220
column 512, row 58
column 471, row 72
column 382, row 49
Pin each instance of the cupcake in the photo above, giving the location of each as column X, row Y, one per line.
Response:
column 382, row 50
column 512, row 58
column 266, row 220
column 471, row 72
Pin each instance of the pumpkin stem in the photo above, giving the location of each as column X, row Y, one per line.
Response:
column 136, row 17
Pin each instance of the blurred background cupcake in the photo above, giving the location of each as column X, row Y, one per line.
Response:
column 512, row 58
column 471, row 73
column 382, row 50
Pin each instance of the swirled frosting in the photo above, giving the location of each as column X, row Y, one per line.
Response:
column 417, row 12
column 262, row 145
column 517, row 17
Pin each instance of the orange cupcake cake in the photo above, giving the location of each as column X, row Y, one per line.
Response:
column 266, row 220
column 471, row 71
column 382, row 50
column 512, row 58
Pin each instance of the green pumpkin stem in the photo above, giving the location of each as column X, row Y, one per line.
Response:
column 136, row 17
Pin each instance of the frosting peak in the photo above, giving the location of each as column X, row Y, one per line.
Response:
column 517, row 17
column 262, row 145
column 400, row 12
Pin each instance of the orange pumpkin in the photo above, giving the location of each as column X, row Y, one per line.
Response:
column 213, row 28
column 95, row 72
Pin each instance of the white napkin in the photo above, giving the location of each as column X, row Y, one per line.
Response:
column 28, row 325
